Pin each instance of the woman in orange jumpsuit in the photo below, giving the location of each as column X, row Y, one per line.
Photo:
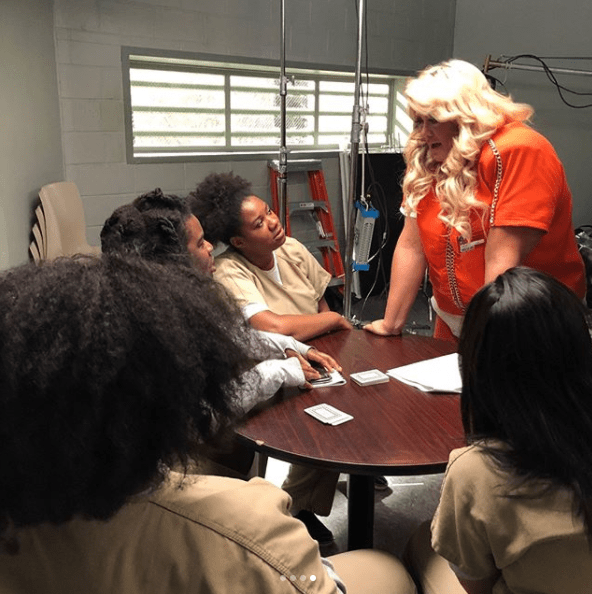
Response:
column 483, row 192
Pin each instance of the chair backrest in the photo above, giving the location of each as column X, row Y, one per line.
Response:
column 34, row 249
column 65, row 225
column 37, row 245
column 41, row 236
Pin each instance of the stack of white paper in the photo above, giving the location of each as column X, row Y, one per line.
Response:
column 432, row 375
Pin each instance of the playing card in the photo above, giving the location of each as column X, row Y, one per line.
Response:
column 328, row 414
column 370, row 377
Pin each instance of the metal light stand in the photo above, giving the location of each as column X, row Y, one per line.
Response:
column 357, row 126
column 283, row 163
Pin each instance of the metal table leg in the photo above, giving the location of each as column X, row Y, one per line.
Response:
column 360, row 512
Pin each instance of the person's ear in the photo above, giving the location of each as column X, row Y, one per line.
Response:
column 237, row 242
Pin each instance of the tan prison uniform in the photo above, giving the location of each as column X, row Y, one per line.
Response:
column 303, row 285
column 534, row 544
column 304, row 280
column 216, row 535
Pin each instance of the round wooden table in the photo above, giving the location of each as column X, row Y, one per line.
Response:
column 396, row 430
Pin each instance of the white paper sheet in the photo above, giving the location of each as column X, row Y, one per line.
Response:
column 440, row 374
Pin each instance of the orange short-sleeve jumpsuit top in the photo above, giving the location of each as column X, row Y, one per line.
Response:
column 533, row 193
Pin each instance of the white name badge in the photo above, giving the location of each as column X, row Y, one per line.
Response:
column 468, row 246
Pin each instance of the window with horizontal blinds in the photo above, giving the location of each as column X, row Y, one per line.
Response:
column 179, row 106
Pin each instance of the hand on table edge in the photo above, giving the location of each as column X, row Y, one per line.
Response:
column 379, row 328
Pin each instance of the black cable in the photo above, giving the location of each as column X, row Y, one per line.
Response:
column 565, row 58
column 551, row 76
column 494, row 82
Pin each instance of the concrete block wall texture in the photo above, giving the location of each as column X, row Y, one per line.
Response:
column 403, row 36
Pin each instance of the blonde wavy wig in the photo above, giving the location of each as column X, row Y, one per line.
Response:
column 454, row 91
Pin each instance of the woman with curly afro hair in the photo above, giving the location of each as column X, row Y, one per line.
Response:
column 112, row 371
column 280, row 286
column 276, row 280
column 161, row 228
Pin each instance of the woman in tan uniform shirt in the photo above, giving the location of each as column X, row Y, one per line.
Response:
column 515, row 513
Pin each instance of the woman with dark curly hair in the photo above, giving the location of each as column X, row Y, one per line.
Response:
column 276, row 280
column 280, row 286
column 515, row 512
column 161, row 228
column 112, row 370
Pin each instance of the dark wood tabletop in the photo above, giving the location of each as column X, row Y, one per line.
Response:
column 396, row 430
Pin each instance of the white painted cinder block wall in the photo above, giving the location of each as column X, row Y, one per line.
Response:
column 403, row 35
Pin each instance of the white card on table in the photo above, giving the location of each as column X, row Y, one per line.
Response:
column 370, row 377
column 328, row 414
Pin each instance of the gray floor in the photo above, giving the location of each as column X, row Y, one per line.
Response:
column 409, row 500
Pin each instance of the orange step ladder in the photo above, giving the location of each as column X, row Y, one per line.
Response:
column 319, row 208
